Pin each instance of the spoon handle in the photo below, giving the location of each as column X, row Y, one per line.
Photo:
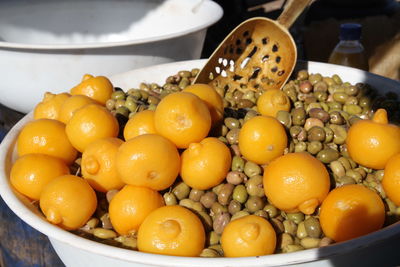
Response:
column 291, row 11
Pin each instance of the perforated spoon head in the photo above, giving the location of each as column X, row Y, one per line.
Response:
column 259, row 54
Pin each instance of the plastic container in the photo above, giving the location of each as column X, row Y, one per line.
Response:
column 349, row 51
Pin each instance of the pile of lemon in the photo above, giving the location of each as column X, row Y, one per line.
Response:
column 158, row 146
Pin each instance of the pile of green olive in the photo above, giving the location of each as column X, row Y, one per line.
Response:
column 323, row 109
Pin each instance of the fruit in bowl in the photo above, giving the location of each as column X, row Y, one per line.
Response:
column 315, row 127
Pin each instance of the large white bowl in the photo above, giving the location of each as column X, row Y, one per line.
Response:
column 376, row 249
column 49, row 45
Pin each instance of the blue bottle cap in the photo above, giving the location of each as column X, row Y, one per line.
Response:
column 350, row 31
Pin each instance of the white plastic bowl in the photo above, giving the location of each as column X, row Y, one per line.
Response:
column 49, row 45
column 375, row 249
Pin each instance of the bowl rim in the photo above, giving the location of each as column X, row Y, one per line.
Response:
column 53, row 232
column 208, row 4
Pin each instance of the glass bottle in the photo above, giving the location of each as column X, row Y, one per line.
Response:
column 349, row 51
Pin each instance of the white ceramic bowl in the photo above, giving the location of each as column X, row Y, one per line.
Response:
column 375, row 249
column 49, row 45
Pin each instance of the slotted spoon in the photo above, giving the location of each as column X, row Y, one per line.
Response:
column 260, row 53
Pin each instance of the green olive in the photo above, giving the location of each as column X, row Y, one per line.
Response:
column 208, row 199
column 339, row 134
column 314, row 78
column 316, row 133
column 262, row 213
column 352, row 109
column 209, row 253
column 295, row 131
column 194, row 72
column 337, row 79
column 364, row 102
column 110, row 104
column 351, row 100
column 237, row 163
column 301, row 230
column 328, row 155
column 334, row 105
column 234, row 206
column 290, row 227
column 312, row 105
column 321, row 87
column 320, row 114
column 233, row 136
column 305, row 87
column 119, row 103
column 313, row 227
column 135, row 93
column 296, row 217
column 221, row 220
column 235, row 177
column 131, row 104
column 239, row 214
column 302, row 75
column 336, row 117
column 314, row 147
column 185, row 74
column 240, row 193
column 184, row 82
column 187, row 203
column 254, row 186
column 272, row 210
column 123, row 111
column 153, row 100
column 170, row 199
column 225, row 194
column 213, row 238
column 252, row 169
column 298, row 104
column 118, row 95
column 298, row 116
column 345, row 162
column 144, row 94
column 300, row 146
column 337, row 168
column 144, row 87
column 284, row 240
column 351, row 90
column 196, row 194
column 329, row 81
column 355, row 175
column 284, row 117
column 181, row 190
column 344, row 180
column 217, row 208
column 309, row 242
column 205, row 219
column 232, row 123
